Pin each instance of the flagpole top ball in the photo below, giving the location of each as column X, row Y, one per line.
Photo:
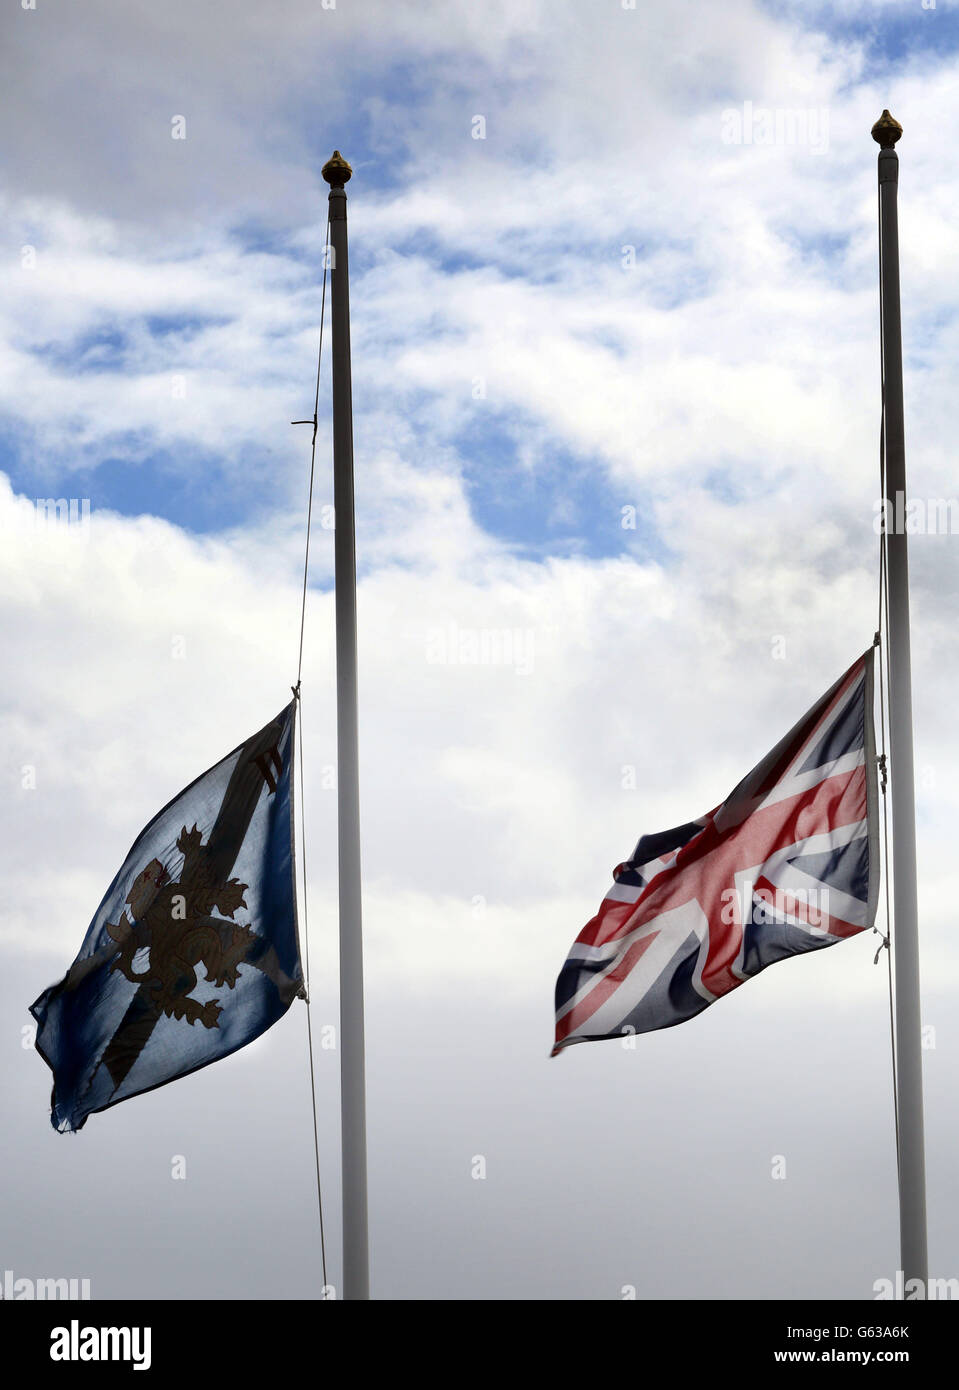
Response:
column 886, row 131
column 336, row 170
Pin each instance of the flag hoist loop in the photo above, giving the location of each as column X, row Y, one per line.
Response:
column 299, row 699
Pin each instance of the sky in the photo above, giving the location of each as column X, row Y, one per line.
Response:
column 615, row 336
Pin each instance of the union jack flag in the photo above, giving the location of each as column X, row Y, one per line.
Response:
column 787, row 863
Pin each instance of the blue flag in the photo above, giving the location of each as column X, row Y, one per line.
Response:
column 194, row 950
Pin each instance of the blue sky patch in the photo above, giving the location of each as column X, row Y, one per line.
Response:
column 890, row 36
column 206, row 497
column 562, row 505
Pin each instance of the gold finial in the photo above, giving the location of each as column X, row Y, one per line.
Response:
column 886, row 131
column 336, row 170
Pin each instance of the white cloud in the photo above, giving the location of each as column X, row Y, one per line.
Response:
column 727, row 387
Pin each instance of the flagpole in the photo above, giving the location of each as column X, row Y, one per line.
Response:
column 356, row 1259
column 912, row 1176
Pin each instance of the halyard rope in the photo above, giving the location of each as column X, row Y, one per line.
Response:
column 298, row 696
column 880, row 636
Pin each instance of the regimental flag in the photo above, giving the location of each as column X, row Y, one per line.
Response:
column 788, row 863
column 193, row 951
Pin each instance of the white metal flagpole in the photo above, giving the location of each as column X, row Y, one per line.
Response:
column 912, row 1175
column 356, row 1257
